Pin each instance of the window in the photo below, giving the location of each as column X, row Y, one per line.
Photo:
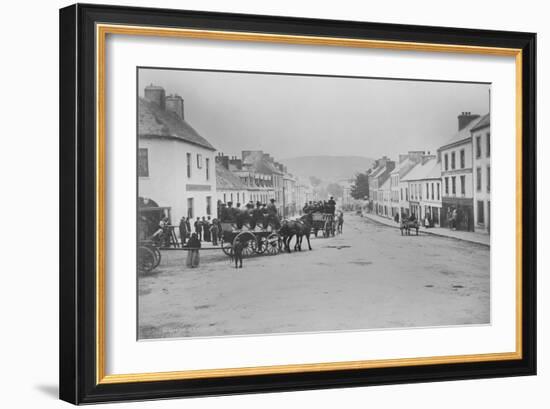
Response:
column 488, row 145
column 199, row 161
column 432, row 191
column 438, row 197
column 143, row 162
column 238, row 197
column 208, row 205
column 190, row 209
column 420, row 191
column 478, row 146
column 224, row 198
column 462, row 159
column 407, row 194
column 453, row 160
column 478, row 179
column 446, row 186
column 401, row 193
column 446, row 161
column 463, row 185
column 188, row 165
column 207, row 168
column 488, row 178
column 480, row 215
column 453, row 181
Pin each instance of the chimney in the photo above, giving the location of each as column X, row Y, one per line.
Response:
column 223, row 160
column 464, row 119
column 156, row 95
column 426, row 158
column 174, row 103
column 237, row 163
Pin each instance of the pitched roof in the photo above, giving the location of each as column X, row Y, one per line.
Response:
column 386, row 185
column 153, row 121
column 404, row 167
column 483, row 122
column 431, row 169
column 463, row 134
column 227, row 180
column 256, row 160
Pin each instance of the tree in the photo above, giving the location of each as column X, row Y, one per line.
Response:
column 334, row 189
column 360, row 187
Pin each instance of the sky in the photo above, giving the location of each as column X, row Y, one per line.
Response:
column 290, row 116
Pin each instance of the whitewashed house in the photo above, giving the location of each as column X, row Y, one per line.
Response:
column 481, row 138
column 176, row 168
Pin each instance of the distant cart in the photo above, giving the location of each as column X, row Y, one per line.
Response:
column 265, row 241
column 323, row 222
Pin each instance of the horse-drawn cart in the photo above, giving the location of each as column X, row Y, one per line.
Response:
column 323, row 222
column 259, row 240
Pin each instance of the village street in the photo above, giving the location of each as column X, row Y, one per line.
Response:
column 368, row 277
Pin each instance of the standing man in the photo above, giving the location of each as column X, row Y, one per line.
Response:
column 272, row 214
column 198, row 228
column 183, row 230
column 214, row 231
column 206, row 228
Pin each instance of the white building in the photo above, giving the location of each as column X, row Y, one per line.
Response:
column 456, row 159
column 481, row 138
column 424, row 182
column 399, row 189
column 175, row 164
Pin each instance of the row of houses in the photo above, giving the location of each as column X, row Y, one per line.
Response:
column 182, row 175
column 450, row 189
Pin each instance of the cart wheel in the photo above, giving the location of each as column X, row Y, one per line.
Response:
column 227, row 248
column 146, row 259
column 273, row 244
column 250, row 242
column 158, row 256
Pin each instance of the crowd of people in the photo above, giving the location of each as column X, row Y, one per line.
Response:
column 205, row 229
column 259, row 214
column 322, row 206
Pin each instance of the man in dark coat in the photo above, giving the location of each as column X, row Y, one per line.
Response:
column 206, row 228
column 198, row 228
column 183, row 231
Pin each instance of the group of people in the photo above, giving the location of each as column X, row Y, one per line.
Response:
column 203, row 229
column 259, row 214
column 323, row 206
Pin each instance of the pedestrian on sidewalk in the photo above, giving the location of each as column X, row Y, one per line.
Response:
column 206, row 228
column 183, row 231
column 198, row 228
column 214, row 231
column 193, row 256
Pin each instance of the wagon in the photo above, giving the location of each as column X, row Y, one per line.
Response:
column 323, row 222
column 266, row 241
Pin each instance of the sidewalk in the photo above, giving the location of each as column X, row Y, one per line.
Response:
column 473, row 237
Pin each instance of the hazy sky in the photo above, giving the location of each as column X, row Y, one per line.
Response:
column 290, row 116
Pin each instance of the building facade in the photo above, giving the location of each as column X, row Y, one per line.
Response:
column 176, row 166
column 399, row 190
column 481, row 142
column 424, row 185
column 456, row 162
column 381, row 172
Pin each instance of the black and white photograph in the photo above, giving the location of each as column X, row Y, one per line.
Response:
column 276, row 203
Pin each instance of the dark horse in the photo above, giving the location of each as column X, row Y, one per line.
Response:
column 299, row 228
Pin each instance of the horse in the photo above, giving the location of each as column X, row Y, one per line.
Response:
column 299, row 228
column 407, row 224
column 237, row 253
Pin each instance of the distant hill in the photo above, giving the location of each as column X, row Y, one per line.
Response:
column 328, row 168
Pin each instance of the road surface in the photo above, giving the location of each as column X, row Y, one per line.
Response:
column 368, row 277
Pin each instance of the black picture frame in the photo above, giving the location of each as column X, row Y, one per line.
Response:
column 78, row 360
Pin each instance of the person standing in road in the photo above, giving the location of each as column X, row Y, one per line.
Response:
column 193, row 256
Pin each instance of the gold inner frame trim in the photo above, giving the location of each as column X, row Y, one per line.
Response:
column 102, row 30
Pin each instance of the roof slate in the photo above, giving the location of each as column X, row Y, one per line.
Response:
column 227, row 180
column 431, row 169
column 463, row 134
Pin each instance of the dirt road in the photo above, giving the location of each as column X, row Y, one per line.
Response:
column 368, row 277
